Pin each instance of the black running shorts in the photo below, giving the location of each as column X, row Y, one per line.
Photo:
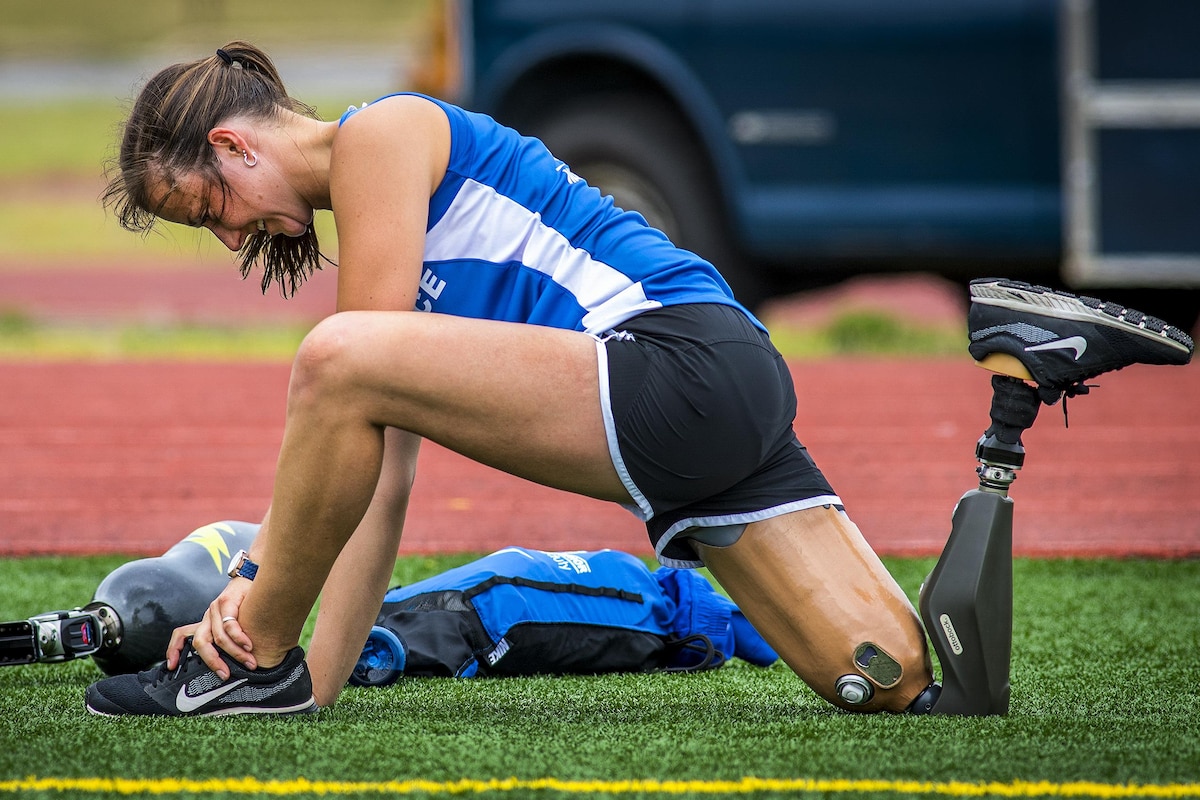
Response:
column 698, row 408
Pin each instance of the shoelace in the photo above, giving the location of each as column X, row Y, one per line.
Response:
column 1051, row 396
column 186, row 657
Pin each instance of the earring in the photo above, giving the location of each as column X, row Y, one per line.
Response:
column 250, row 158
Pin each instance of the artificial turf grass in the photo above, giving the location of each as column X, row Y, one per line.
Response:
column 1105, row 683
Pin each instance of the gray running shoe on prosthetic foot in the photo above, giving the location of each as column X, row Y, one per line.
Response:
column 194, row 690
column 1060, row 340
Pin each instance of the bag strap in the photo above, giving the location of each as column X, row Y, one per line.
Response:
column 549, row 586
column 711, row 658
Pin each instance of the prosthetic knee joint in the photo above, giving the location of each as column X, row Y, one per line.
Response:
column 966, row 602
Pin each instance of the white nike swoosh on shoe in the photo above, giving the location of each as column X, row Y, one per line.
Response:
column 185, row 702
column 1076, row 343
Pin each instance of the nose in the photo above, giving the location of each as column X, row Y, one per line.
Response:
column 230, row 238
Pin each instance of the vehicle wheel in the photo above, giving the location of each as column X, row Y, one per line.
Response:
column 642, row 154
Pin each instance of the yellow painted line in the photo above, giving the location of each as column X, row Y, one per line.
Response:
column 743, row 786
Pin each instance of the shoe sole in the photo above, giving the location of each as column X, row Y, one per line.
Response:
column 1043, row 301
column 310, row 707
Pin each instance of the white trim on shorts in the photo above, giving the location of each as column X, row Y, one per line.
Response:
column 642, row 510
column 684, row 525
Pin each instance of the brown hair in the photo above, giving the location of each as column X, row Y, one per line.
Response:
column 166, row 136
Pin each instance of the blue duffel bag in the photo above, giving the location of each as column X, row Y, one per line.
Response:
column 531, row 612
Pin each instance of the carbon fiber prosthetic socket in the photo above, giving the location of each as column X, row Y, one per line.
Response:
column 817, row 592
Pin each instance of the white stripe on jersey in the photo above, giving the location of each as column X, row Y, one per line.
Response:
column 483, row 225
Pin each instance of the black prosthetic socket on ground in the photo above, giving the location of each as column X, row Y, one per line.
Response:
column 926, row 700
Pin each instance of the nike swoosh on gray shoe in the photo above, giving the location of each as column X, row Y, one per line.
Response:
column 1076, row 343
column 185, row 702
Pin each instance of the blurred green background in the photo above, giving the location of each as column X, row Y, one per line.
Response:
column 68, row 70
column 135, row 28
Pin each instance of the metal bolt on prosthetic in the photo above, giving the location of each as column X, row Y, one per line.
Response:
column 966, row 602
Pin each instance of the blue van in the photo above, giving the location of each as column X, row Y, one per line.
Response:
column 796, row 142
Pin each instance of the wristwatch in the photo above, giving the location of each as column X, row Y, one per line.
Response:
column 240, row 566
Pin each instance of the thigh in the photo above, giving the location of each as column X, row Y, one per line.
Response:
column 522, row 398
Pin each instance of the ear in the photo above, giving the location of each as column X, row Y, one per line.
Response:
column 228, row 141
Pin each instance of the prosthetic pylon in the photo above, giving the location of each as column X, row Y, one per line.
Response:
column 966, row 602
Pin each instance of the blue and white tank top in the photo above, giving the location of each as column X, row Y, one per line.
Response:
column 514, row 235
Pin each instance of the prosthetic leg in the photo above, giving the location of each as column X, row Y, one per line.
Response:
column 812, row 586
column 134, row 610
column 1044, row 346
column 966, row 602
column 814, row 590
column 817, row 592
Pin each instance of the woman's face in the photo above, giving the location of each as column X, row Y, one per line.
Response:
column 257, row 199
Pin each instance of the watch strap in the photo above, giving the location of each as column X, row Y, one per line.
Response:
column 240, row 566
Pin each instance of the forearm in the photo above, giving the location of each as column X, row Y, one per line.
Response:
column 359, row 579
column 349, row 606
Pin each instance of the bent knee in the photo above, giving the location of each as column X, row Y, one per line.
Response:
column 326, row 356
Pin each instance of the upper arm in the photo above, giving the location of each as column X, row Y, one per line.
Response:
column 387, row 161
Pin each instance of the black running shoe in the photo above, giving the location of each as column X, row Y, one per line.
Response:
column 193, row 690
column 1062, row 340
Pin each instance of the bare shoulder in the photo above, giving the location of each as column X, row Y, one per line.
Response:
column 402, row 138
column 411, row 120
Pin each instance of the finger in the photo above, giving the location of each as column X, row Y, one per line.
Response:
column 227, row 631
column 175, row 646
column 234, row 641
column 202, row 643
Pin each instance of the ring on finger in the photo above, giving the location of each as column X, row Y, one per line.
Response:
column 227, row 619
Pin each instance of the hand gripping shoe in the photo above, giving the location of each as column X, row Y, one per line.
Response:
column 193, row 690
column 1060, row 340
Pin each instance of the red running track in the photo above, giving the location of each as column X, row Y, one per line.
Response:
column 129, row 457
